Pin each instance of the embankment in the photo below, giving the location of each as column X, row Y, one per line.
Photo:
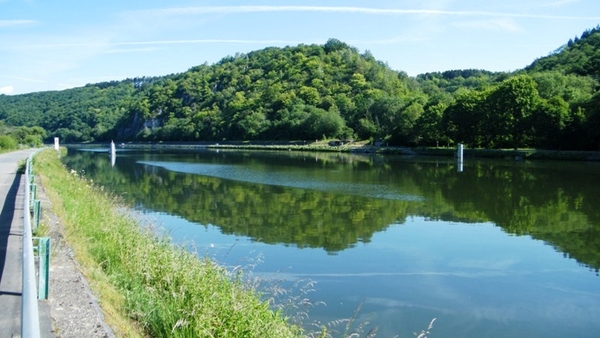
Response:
column 147, row 286
column 364, row 147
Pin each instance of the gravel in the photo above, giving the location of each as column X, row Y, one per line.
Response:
column 74, row 310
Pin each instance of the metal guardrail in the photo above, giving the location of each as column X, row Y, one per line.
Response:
column 30, row 319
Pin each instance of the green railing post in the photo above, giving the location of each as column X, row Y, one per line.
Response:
column 33, row 191
column 30, row 174
column 43, row 250
column 37, row 211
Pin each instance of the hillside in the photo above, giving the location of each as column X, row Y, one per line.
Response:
column 303, row 92
column 580, row 56
column 82, row 114
column 310, row 92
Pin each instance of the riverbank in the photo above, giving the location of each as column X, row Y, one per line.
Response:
column 145, row 285
column 365, row 148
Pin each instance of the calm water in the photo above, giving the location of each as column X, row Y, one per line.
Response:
column 501, row 249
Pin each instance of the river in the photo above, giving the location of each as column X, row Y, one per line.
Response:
column 492, row 249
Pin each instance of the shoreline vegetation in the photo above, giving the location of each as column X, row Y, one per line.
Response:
column 365, row 148
column 146, row 285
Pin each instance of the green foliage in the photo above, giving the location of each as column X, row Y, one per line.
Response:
column 306, row 92
column 30, row 136
column 332, row 91
column 429, row 126
column 580, row 56
column 593, row 120
column 75, row 115
column 7, row 143
column 464, row 119
column 12, row 137
column 509, row 107
column 548, row 120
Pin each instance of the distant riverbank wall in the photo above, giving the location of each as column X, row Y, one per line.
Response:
column 362, row 147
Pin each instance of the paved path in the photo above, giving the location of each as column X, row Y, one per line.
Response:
column 11, row 245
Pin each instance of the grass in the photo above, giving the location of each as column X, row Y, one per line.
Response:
column 146, row 285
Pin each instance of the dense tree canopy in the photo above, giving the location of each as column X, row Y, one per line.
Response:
column 310, row 92
column 580, row 56
column 88, row 113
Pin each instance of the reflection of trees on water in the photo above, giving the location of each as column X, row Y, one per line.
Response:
column 553, row 203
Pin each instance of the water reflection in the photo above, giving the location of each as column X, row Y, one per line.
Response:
column 334, row 201
column 410, row 239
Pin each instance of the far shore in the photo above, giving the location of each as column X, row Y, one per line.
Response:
column 360, row 147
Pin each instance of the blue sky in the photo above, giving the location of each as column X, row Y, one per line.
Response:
column 59, row 44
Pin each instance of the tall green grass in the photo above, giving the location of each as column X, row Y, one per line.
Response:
column 147, row 286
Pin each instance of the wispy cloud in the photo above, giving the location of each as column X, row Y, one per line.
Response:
column 357, row 10
column 129, row 50
column 390, row 41
column 235, row 41
column 157, row 42
column 11, row 23
column 559, row 3
column 495, row 24
column 19, row 78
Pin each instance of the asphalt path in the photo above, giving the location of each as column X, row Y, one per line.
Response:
column 11, row 242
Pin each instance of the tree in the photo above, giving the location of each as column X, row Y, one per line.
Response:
column 463, row 119
column 323, row 124
column 510, row 106
column 428, row 127
column 333, row 45
column 310, row 95
column 593, row 121
column 253, row 125
column 548, row 121
column 403, row 132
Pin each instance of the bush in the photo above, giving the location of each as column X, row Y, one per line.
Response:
column 7, row 143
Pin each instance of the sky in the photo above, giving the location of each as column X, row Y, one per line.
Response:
column 60, row 44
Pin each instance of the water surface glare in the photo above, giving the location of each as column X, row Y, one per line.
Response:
column 502, row 249
column 294, row 179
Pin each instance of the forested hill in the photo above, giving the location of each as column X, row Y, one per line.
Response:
column 304, row 92
column 310, row 92
column 579, row 56
column 80, row 114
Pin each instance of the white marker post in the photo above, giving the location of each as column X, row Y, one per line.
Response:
column 56, row 145
column 459, row 157
column 113, row 153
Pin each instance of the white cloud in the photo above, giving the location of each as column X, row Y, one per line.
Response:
column 10, row 23
column 20, row 78
column 6, row 89
column 559, row 3
column 153, row 13
column 496, row 24
column 155, row 42
column 129, row 50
